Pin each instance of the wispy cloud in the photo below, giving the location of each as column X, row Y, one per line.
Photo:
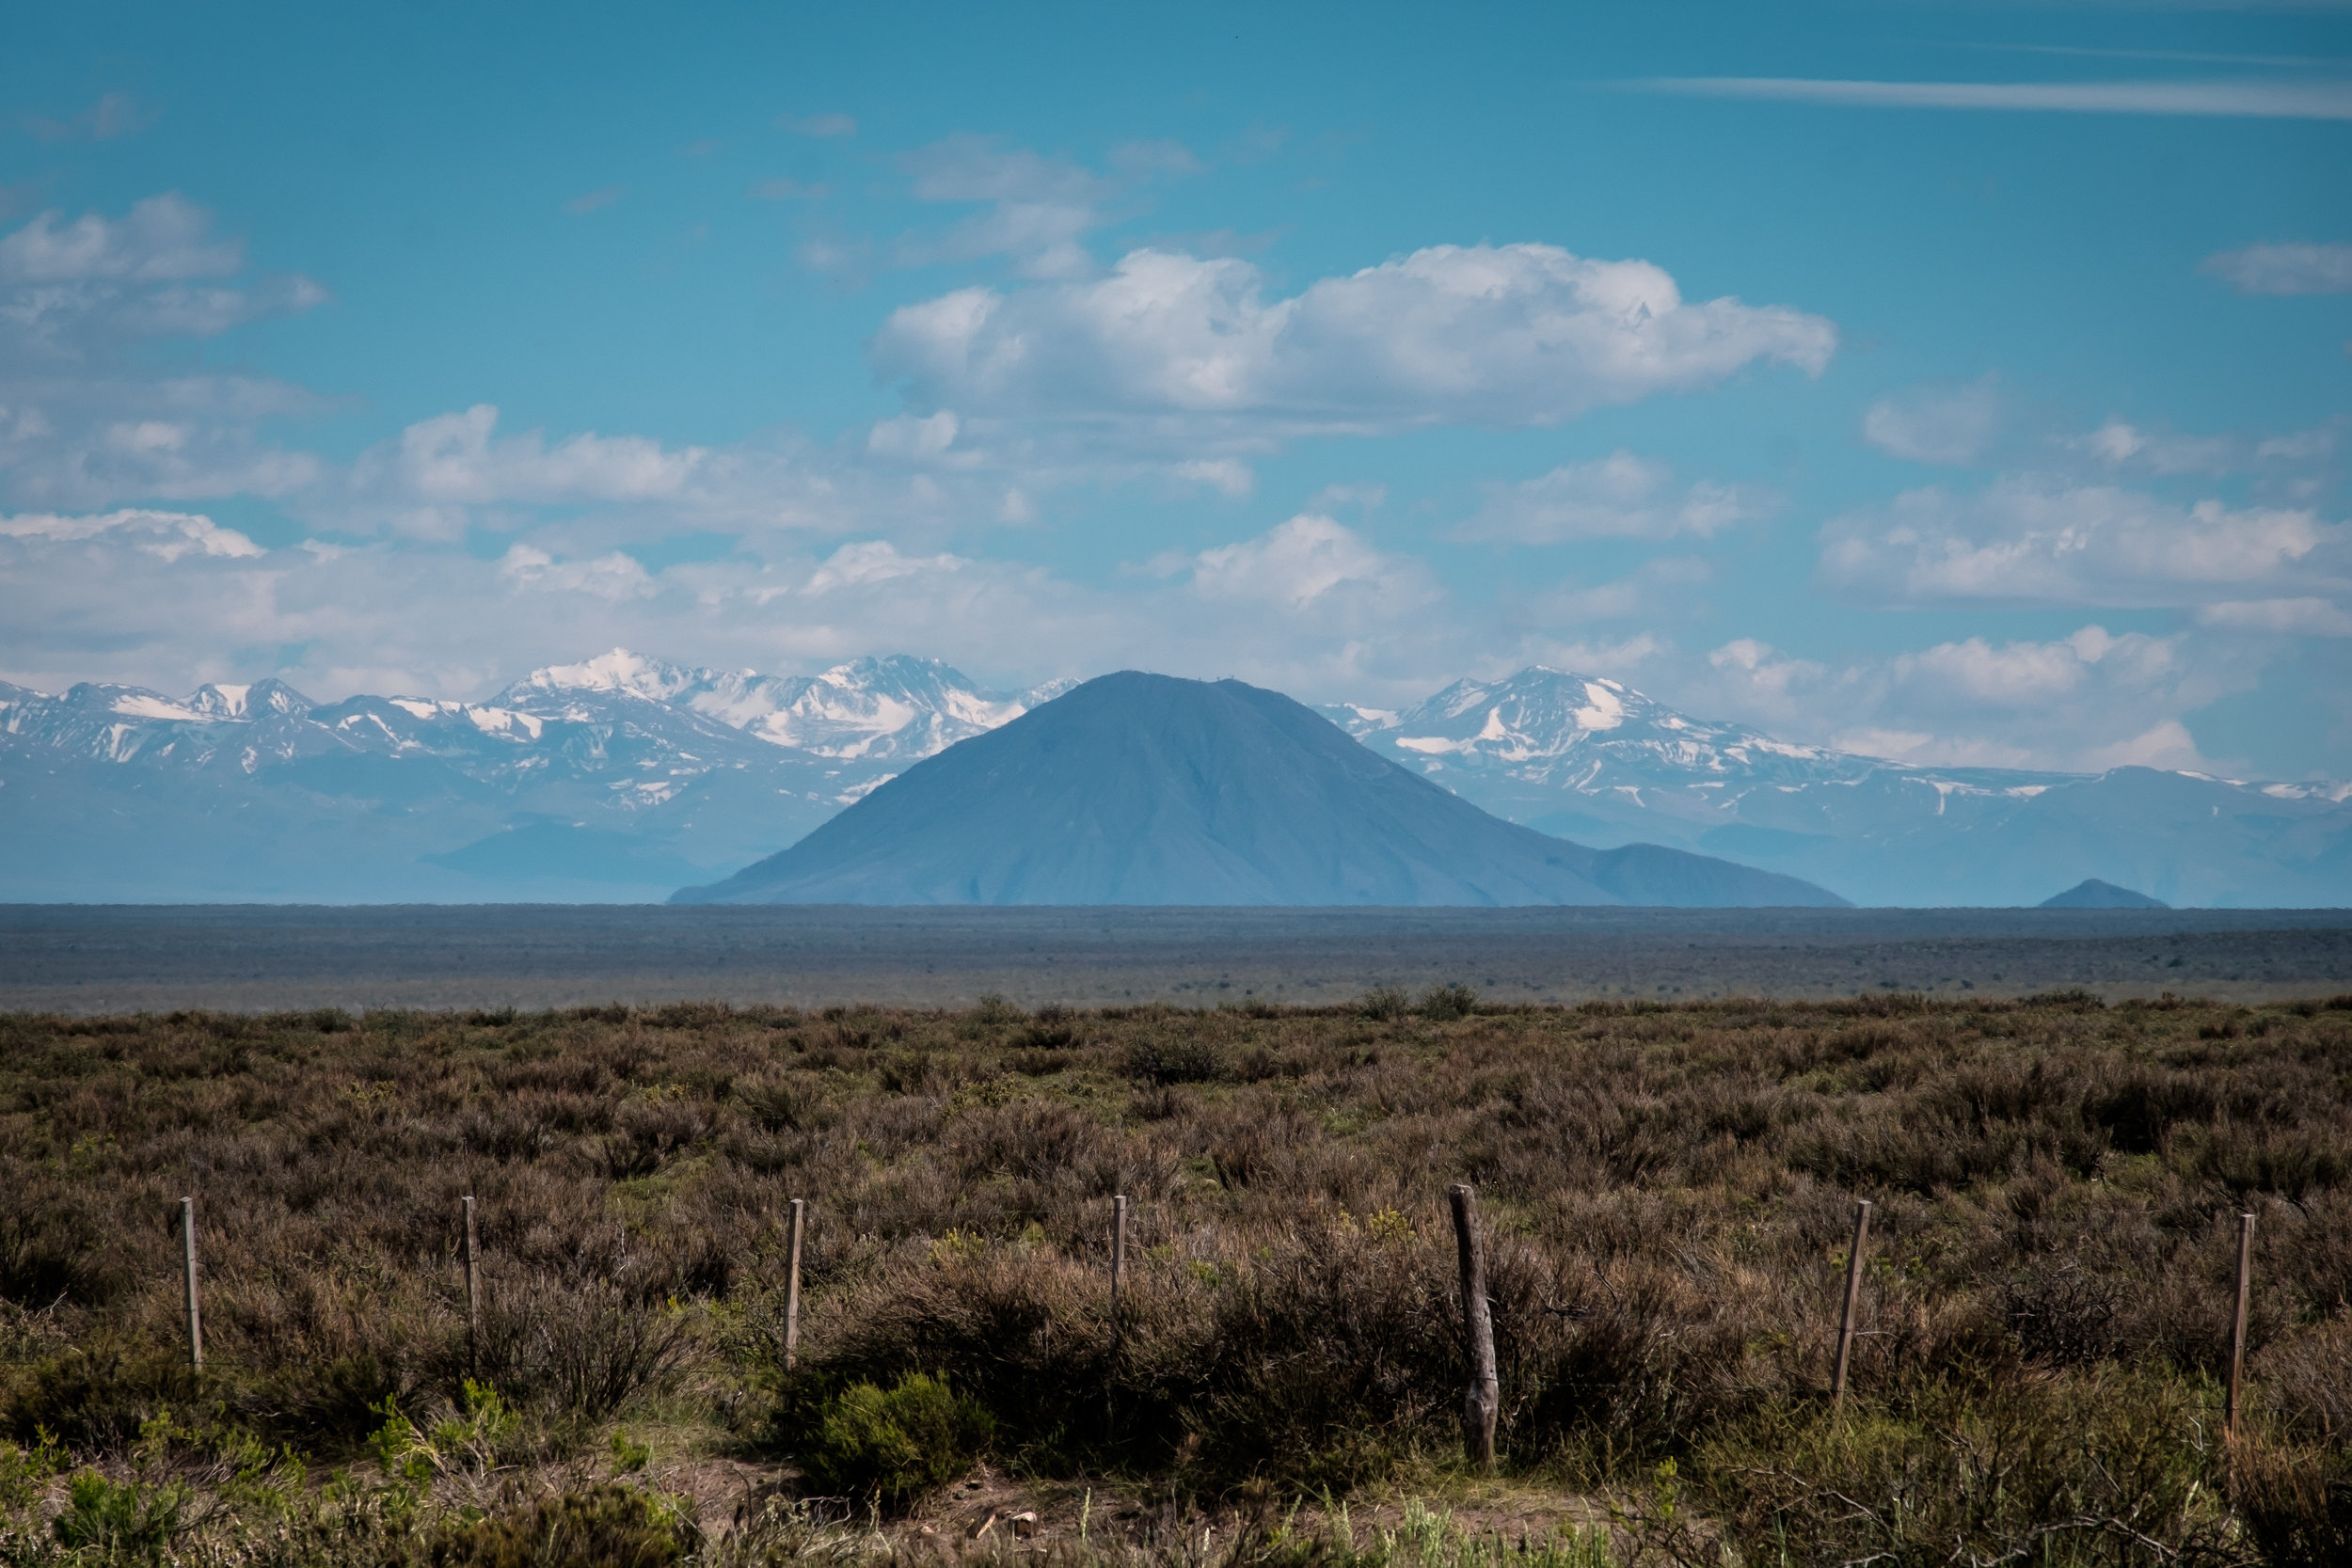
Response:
column 2284, row 269
column 825, row 126
column 2247, row 98
column 114, row 116
column 591, row 200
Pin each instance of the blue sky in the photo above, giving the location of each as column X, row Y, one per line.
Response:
column 1954, row 382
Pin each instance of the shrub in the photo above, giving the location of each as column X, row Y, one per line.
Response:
column 607, row 1527
column 123, row 1519
column 1442, row 1003
column 1162, row 1059
column 1386, row 1003
column 896, row 1445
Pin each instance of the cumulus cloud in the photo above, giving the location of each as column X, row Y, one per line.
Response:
column 2024, row 540
column 66, row 287
column 1617, row 497
column 2088, row 701
column 165, row 535
column 1301, row 562
column 1510, row 336
column 2284, row 269
column 1945, row 424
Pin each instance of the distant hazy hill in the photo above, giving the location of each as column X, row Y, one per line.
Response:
column 1147, row 789
column 2093, row 893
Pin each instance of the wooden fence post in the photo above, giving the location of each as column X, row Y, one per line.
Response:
column 2237, row 1322
column 1483, row 1400
column 793, row 1287
column 1853, row 1299
column 187, row 1258
column 473, row 1291
column 1119, row 1257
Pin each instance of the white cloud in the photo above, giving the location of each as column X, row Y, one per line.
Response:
column 2124, row 447
column 1935, row 424
column 2165, row 744
column 165, row 535
column 1511, row 336
column 607, row 577
column 1222, row 474
column 1617, row 497
column 2082, row 702
column 2024, row 540
column 68, row 288
column 2296, row 617
column 452, row 461
column 2254, row 98
column 1039, row 208
column 786, row 190
column 927, row 438
column 163, row 238
column 1303, row 561
column 2284, row 269
column 589, row 201
column 875, row 561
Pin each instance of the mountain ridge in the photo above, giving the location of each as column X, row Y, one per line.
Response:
column 613, row 766
column 1138, row 789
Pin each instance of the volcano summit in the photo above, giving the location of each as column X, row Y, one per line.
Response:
column 1147, row 789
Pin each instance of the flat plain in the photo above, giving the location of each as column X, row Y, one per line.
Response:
column 1667, row 1195
column 122, row 958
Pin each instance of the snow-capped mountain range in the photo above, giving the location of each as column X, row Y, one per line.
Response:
column 618, row 777
column 625, row 777
column 1596, row 761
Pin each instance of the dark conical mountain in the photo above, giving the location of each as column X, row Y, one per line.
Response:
column 1147, row 789
column 2092, row 894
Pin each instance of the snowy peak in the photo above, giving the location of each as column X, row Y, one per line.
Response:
column 1564, row 727
column 619, row 671
column 898, row 708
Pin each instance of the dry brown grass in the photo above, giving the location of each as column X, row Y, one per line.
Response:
column 1669, row 1190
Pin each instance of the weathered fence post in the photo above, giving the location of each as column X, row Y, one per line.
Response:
column 1119, row 1257
column 1483, row 1400
column 1853, row 1299
column 187, row 1256
column 2237, row 1322
column 793, row 1287
column 473, row 1291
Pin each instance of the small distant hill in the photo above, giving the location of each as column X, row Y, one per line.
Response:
column 1146, row 789
column 2092, row 894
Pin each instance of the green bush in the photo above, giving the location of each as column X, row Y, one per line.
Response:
column 121, row 1519
column 1386, row 1003
column 899, row 1445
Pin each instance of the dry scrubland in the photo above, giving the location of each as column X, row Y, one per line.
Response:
column 1669, row 1191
